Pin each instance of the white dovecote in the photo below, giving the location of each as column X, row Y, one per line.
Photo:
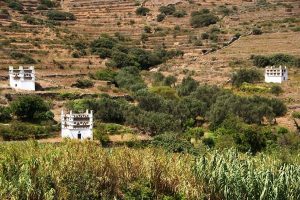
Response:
column 276, row 74
column 77, row 125
column 22, row 78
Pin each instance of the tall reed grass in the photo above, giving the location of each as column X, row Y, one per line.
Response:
column 83, row 170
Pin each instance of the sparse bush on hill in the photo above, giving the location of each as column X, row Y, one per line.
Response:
column 246, row 76
column 257, row 31
column 83, row 83
column 179, row 13
column 32, row 20
column 296, row 114
column 25, row 59
column 4, row 12
column 167, row 10
column 160, row 17
column 143, row 11
column 59, row 15
column 15, row 5
column 203, row 18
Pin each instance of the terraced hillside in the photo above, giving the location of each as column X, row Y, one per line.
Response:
column 29, row 36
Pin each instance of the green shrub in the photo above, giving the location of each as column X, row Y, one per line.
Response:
column 296, row 114
column 276, row 89
column 257, row 31
column 42, row 7
column 15, row 5
column 31, row 20
column 48, row 3
column 59, row 15
column 4, row 12
column 22, row 131
column 246, row 76
column 5, row 114
column 167, row 10
column 31, row 108
column 26, row 59
column 160, row 17
column 147, row 29
column 143, row 11
column 179, row 13
column 83, row 83
column 173, row 143
column 203, row 18
column 187, row 86
column 104, row 75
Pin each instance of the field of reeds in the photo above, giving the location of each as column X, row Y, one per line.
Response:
column 83, row 170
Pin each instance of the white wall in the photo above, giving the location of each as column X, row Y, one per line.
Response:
column 273, row 79
column 73, row 133
column 22, row 84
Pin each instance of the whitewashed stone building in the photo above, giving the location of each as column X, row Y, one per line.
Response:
column 276, row 74
column 77, row 126
column 22, row 78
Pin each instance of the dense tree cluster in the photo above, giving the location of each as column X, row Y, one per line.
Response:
column 276, row 59
column 123, row 56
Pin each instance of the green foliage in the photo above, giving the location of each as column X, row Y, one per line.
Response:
column 130, row 79
column 203, row 18
column 31, row 20
column 246, row 76
column 165, row 91
column 179, row 13
column 26, row 59
column 167, row 10
column 83, row 83
column 15, row 5
column 296, row 115
column 123, row 56
column 160, row 17
column 4, row 12
column 31, row 108
column 22, row 131
column 142, row 11
column 104, row 75
column 60, row 15
column 276, row 59
column 173, row 143
column 257, row 31
column 105, row 109
column 276, row 89
column 5, row 114
column 195, row 132
column 48, row 3
column 187, row 86
column 249, row 109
